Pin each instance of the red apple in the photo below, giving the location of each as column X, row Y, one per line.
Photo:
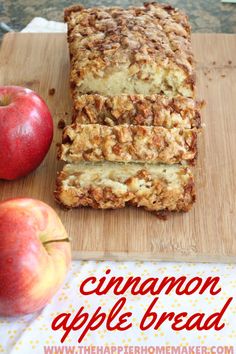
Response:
column 35, row 255
column 26, row 131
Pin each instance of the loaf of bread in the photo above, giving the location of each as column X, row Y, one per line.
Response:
column 135, row 119
column 113, row 185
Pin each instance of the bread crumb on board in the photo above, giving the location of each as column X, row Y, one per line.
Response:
column 61, row 124
column 51, row 91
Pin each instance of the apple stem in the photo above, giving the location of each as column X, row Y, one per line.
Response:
column 61, row 240
column 5, row 101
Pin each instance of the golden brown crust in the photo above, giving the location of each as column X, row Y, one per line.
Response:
column 136, row 50
column 157, row 110
column 155, row 188
column 127, row 143
column 69, row 10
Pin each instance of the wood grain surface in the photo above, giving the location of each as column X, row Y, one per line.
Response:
column 208, row 231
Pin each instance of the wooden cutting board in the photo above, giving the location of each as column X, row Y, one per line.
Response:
column 208, row 232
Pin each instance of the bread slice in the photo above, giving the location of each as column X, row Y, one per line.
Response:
column 127, row 143
column 113, row 185
column 143, row 50
column 157, row 110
